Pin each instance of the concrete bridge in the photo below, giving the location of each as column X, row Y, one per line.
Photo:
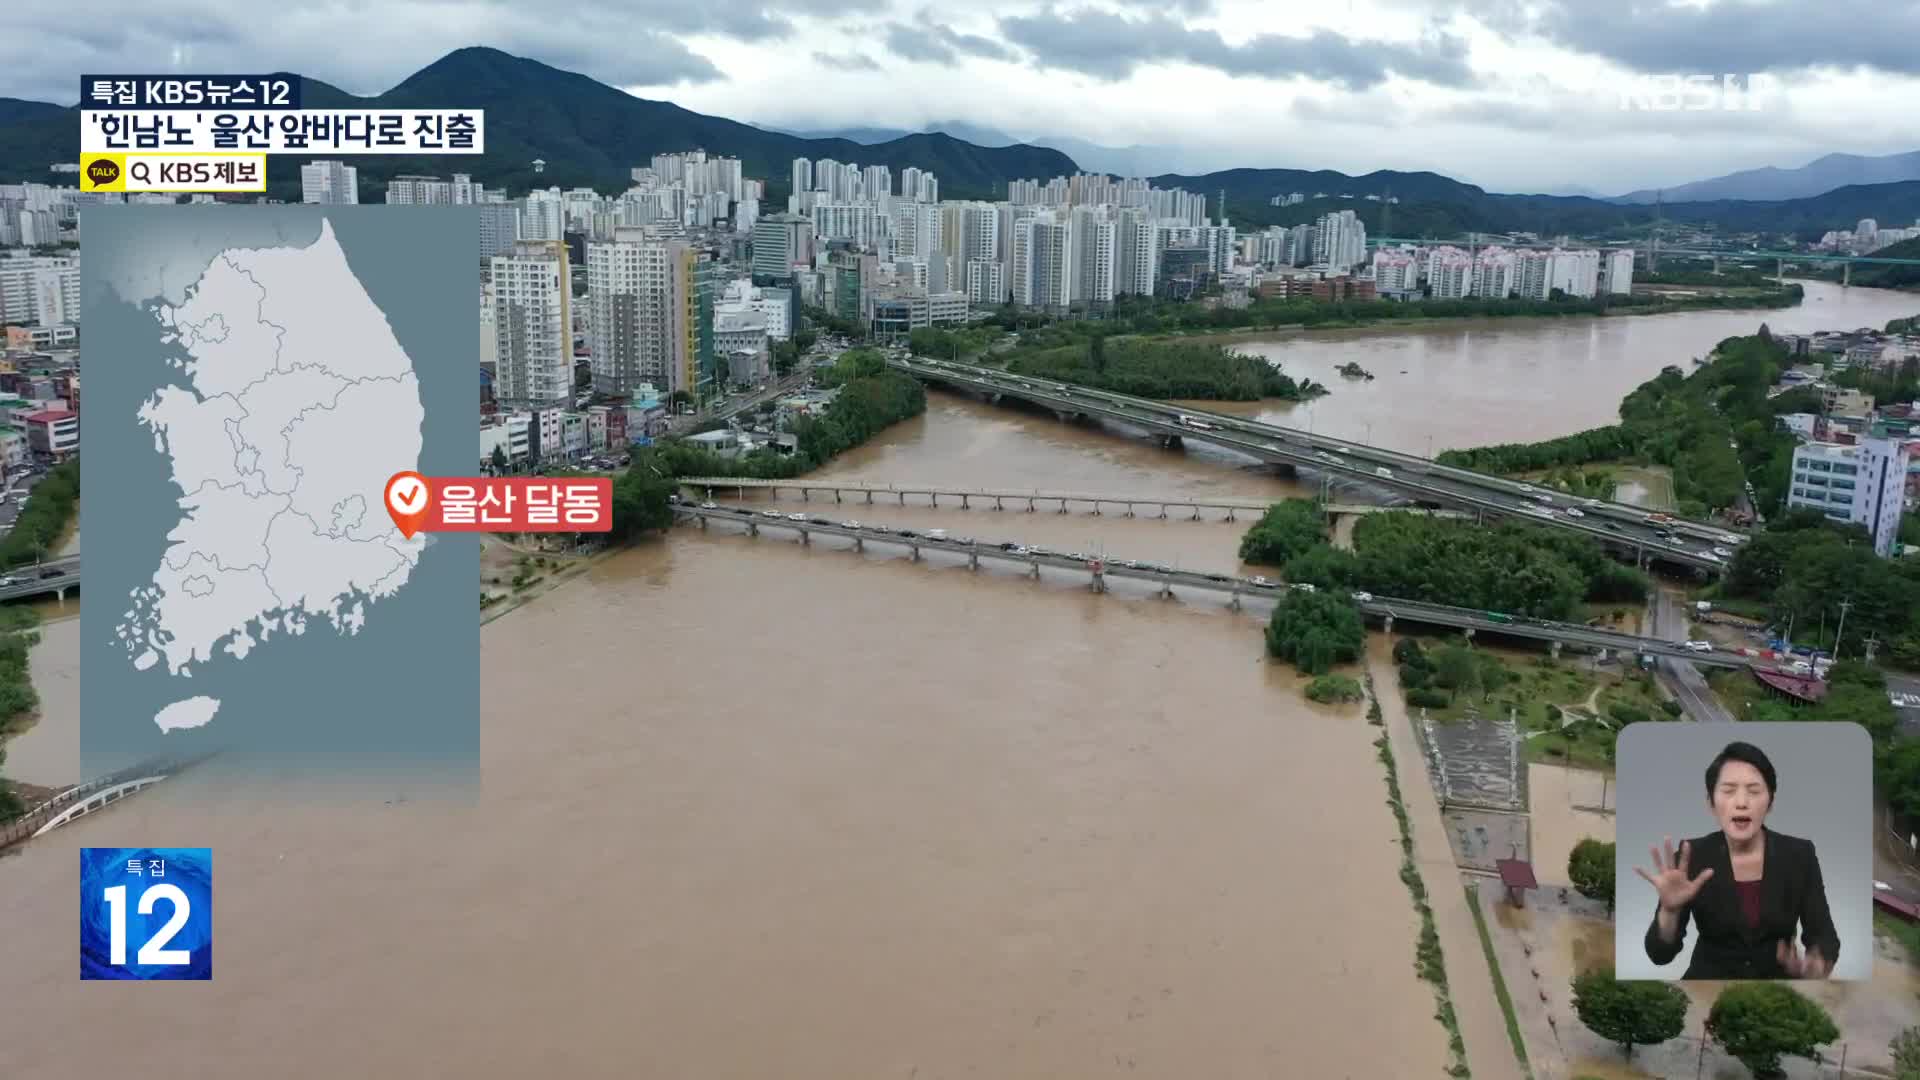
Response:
column 56, row 576
column 1628, row 530
column 1033, row 499
column 1100, row 569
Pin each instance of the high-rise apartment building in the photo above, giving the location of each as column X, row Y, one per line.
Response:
column 532, row 320
column 329, row 183
column 1094, row 251
column 781, row 242
column 1136, row 253
column 1043, row 261
column 1340, row 241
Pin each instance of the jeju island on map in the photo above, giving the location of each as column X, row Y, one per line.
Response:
column 276, row 398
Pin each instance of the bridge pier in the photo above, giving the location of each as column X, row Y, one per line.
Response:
column 1099, row 583
column 1389, row 624
column 1166, row 588
column 916, row 552
column 806, row 494
column 1029, row 506
column 1063, row 506
column 753, row 528
column 973, row 559
column 1846, row 274
column 806, row 537
column 869, row 498
column 903, row 498
column 1780, row 271
column 1196, row 514
column 935, row 496
column 1229, row 513
column 964, row 504
column 860, row 544
column 1096, row 508
column 1163, row 513
column 1034, row 568
column 703, row 521
column 997, row 504
column 1233, row 599
column 1554, row 650
column 1469, row 633
column 836, row 496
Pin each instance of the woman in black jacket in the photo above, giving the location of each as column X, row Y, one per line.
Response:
column 1754, row 886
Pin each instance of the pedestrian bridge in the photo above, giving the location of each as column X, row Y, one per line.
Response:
column 1028, row 499
column 1102, row 569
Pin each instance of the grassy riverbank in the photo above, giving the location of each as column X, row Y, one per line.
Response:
column 1429, row 960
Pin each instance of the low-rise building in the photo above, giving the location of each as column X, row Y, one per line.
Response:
column 53, row 433
column 1863, row 483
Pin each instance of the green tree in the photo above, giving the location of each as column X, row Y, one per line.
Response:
column 1097, row 353
column 1905, row 1050
column 640, row 497
column 10, row 806
column 1590, row 867
column 1287, row 529
column 1493, row 675
column 498, row 461
column 1455, row 667
column 1315, row 631
column 1629, row 1013
column 1761, row 1022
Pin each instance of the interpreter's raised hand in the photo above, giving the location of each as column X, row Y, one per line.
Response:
column 1670, row 879
column 1799, row 965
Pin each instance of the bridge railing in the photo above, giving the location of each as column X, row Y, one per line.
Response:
column 28, row 823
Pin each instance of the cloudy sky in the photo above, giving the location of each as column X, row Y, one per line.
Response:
column 1515, row 95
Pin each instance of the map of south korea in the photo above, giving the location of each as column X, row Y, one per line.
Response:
column 299, row 403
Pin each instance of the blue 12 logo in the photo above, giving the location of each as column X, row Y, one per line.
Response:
column 156, row 903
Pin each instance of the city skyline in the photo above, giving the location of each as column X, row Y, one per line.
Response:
column 1470, row 90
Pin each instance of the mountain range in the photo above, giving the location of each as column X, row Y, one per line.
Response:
column 1768, row 184
column 1091, row 157
column 591, row 134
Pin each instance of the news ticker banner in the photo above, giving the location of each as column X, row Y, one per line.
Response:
column 211, row 133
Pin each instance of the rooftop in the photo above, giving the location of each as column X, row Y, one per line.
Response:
column 48, row 416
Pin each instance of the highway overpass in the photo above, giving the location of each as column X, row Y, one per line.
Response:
column 1101, row 568
column 1616, row 525
column 55, row 576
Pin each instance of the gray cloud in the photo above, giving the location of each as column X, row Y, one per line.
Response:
column 1111, row 47
column 940, row 44
column 633, row 43
column 850, row 61
column 1738, row 36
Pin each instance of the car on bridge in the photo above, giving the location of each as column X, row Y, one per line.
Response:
column 1575, row 512
column 849, row 524
column 1723, row 552
column 1699, row 646
column 1363, row 597
column 797, row 517
column 1263, row 583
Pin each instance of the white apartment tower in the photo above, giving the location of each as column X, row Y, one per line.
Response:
column 532, row 322
column 1864, row 484
column 329, row 183
column 639, row 304
column 1093, row 256
column 1136, row 253
column 1043, row 261
column 802, row 175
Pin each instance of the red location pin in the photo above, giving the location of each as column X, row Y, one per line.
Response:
column 407, row 499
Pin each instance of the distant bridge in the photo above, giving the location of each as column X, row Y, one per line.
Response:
column 1733, row 254
column 1100, row 568
column 1615, row 525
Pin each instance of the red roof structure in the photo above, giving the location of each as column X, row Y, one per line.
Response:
column 1799, row 687
column 1905, row 909
column 47, row 416
column 1516, row 873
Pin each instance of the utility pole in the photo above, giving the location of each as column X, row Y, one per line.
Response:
column 1844, row 605
column 1871, row 643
